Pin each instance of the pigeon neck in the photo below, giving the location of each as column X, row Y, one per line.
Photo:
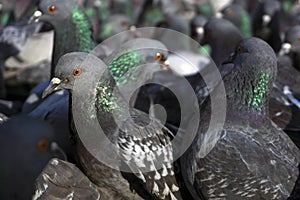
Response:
column 245, row 25
column 248, row 97
column 83, row 31
column 109, row 100
column 75, row 35
column 122, row 66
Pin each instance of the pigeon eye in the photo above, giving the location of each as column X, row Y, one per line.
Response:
column 124, row 24
column 52, row 8
column 298, row 39
column 158, row 56
column 77, row 71
column 229, row 11
column 42, row 144
column 239, row 49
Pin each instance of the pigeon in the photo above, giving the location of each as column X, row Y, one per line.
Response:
column 197, row 24
column 222, row 45
column 205, row 8
column 291, row 45
column 114, row 24
column 248, row 156
column 175, row 22
column 27, row 145
column 72, row 26
column 239, row 17
column 247, row 5
column 266, row 24
column 63, row 180
column 13, row 39
column 159, row 183
column 73, row 31
column 150, row 14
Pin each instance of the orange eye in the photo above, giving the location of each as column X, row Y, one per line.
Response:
column 42, row 144
column 52, row 8
column 239, row 49
column 77, row 71
column 158, row 56
column 298, row 39
column 124, row 24
column 229, row 11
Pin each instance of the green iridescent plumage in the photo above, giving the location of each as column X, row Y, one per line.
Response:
column 153, row 16
column 105, row 100
column 260, row 91
column 83, row 31
column 205, row 9
column 286, row 6
column 245, row 27
column 120, row 67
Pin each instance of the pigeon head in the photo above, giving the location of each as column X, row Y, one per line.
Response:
column 239, row 17
column 133, row 55
column 70, row 67
column 254, row 72
column 224, row 44
column 292, row 40
column 56, row 11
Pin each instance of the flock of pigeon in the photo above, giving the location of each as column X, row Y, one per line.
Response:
column 235, row 136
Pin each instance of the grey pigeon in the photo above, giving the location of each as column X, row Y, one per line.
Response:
column 73, row 31
column 63, row 180
column 248, row 156
column 159, row 183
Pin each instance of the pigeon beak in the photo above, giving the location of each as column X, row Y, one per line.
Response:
column 166, row 63
column 52, row 87
column 219, row 15
column 230, row 59
column 35, row 17
column 285, row 49
column 266, row 19
column 200, row 31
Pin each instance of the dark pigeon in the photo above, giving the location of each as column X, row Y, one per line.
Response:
column 239, row 17
column 72, row 67
column 248, row 156
column 291, row 45
column 266, row 23
column 175, row 22
column 221, row 44
column 27, row 145
column 114, row 24
column 197, row 24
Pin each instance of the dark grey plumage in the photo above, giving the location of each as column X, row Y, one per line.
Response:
column 249, row 157
column 63, row 180
column 26, row 146
column 129, row 138
column 221, row 44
